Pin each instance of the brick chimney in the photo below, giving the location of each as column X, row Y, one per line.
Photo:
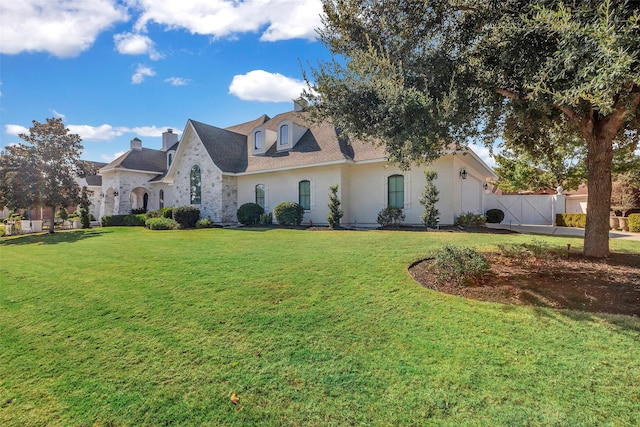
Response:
column 168, row 139
column 136, row 144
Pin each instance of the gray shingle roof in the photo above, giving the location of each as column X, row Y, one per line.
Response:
column 227, row 149
column 145, row 159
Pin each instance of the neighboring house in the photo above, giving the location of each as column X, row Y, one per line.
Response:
column 284, row 158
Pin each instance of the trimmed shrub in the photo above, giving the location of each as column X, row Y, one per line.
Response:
column 571, row 220
column 495, row 216
column 633, row 221
column 288, row 213
column 335, row 212
column 470, row 219
column 459, row 265
column 160, row 223
column 266, row 219
column 186, row 216
column 390, row 216
column 249, row 213
column 123, row 220
column 85, row 217
column 138, row 211
column 3, row 230
column 166, row 212
column 205, row 223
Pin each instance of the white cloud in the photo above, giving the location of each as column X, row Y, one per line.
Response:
column 283, row 19
column 148, row 131
column 177, row 81
column 95, row 133
column 63, row 28
column 58, row 115
column 136, row 44
column 259, row 85
column 141, row 72
column 15, row 129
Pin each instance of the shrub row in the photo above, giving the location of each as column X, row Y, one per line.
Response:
column 123, row 220
column 470, row 219
column 571, row 220
column 160, row 223
column 633, row 222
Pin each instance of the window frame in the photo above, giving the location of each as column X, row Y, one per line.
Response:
column 260, row 187
column 195, row 185
column 307, row 196
column 395, row 191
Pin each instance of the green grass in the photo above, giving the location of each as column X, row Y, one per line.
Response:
column 126, row 326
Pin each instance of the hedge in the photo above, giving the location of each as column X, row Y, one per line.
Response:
column 288, row 213
column 571, row 220
column 186, row 216
column 494, row 216
column 633, row 221
column 160, row 223
column 123, row 220
column 249, row 213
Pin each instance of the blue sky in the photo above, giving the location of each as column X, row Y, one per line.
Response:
column 119, row 69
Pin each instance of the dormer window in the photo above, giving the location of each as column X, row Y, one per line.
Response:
column 257, row 140
column 284, row 135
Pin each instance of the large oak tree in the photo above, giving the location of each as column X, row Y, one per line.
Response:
column 42, row 172
column 418, row 75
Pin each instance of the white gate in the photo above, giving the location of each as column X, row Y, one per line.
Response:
column 530, row 209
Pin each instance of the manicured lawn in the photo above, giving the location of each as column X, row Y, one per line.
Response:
column 126, row 326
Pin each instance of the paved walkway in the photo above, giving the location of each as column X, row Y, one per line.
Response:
column 562, row 231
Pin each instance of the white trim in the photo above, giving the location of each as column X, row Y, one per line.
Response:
column 121, row 169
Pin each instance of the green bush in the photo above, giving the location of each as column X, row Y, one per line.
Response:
column 249, row 213
column 138, row 211
column 288, row 213
column 266, row 219
column 520, row 251
column 459, row 265
column 390, row 216
column 495, row 216
column 633, row 221
column 123, row 220
column 160, row 223
column 205, row 223
column 186, row 216
column 3, row 230
column 571, row 220
column 470, row 219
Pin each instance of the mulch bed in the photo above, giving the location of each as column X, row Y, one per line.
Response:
column 611, row 285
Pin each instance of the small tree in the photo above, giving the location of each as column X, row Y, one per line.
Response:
column 429, row 198
column 625, row 194
column 42, row 173
column 85, row 217
column 335, row 213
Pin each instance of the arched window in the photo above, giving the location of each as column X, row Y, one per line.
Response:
column 170, row 158
column 145, row 201
column 260, row 195
column 284, row 135
column 395, row 191
column 196, row 184
column 161, row 197
column 257, row 140
column 304, row 194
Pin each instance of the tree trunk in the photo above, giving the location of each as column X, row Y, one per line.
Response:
column 599, row 158
column 53, row 219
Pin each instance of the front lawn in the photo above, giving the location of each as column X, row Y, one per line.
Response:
column 127, row 326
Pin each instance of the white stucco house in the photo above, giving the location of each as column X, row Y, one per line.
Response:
column 284, row 158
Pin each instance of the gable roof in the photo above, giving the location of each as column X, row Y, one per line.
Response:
column 227, row 149
column 146, row 159
column 321, row 143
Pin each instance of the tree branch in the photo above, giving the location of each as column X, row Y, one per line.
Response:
column 507, row 93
